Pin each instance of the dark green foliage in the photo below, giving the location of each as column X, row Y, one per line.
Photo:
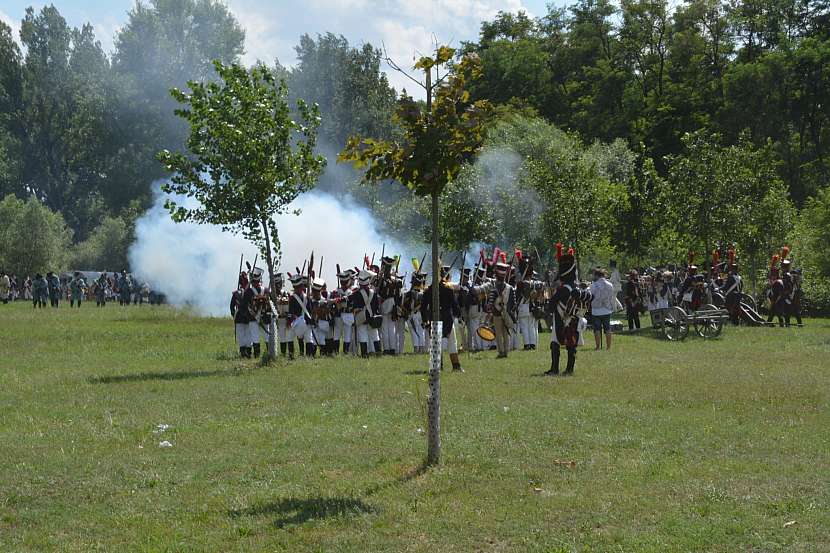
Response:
column 649, row 73
column 34, row 239
column 247, row 159
column 346, row 82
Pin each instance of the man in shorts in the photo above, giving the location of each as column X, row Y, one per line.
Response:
column 602, row 306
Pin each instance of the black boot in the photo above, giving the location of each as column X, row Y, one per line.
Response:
column 330, row 348
column 364, row 350
column 310, row 350
column 569, row 370
column 554, row 360
column 347, row 347
column 378, row 351
column 256, row 350
column 283, row 348
column 290, row 349
column 242, row 352
column 302, row 346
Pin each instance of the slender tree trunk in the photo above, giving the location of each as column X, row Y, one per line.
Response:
column 434, row 399
column 272, row 345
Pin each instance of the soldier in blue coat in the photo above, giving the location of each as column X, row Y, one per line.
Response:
column 40, row 291
column 78, row 288
column 54, row 285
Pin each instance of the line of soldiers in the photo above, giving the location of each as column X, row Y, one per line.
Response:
column 370, row 312
column 53, row 288
column 50, row 288
column 722, row 286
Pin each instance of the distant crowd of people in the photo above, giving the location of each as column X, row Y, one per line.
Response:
column 53, row 288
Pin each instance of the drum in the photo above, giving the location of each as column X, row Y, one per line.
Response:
column 486, row 333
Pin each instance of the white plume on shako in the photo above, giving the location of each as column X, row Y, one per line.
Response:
column 196, row 265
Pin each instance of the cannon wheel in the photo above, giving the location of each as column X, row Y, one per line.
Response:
column 675, row 324
column 750, row 301
column 708, row 327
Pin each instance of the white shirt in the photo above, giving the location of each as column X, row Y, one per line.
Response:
column 603, row 292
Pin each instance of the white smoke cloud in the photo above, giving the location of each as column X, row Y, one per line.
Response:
column 196, row 265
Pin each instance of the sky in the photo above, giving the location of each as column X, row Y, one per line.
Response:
column 272, row 28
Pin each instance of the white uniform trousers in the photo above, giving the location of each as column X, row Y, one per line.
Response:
column 388, row 337
column 449, row 344
column 417, row 332
column 527, row 325
column 514, row 335
column 244, row 336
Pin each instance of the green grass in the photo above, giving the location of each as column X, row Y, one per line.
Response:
column 697, row 446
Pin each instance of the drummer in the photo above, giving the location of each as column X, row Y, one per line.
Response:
column 366, row 308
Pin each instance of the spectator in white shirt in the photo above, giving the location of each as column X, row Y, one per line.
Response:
column 602, row 306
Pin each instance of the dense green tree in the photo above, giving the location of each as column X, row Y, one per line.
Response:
column 247, row 159
column 164, row 44
column 727, row 195
column 354, row 96
column 106, row 248
column 34, row 238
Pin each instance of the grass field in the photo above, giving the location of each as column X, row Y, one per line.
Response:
column 716, row 446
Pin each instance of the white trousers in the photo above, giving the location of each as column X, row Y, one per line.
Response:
column 342, row 331
column 529, row 329
column 247, row 334
column 476, row 343
column 306, row 337
column 417, row 333
column 388, row 333
column 449, row 344
column 514, row 335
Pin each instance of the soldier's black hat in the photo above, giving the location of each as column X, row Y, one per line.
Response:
column 567, row 268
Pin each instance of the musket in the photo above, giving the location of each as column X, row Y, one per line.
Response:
column 421, row 265
column 321, row 267
column 453, row 262
column 538, row 258
column 256, row 257
column 239, row 272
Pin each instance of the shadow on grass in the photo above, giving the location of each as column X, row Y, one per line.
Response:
column 178, row 375
column 413, row 372
column 411, row 475
column 293, row 511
